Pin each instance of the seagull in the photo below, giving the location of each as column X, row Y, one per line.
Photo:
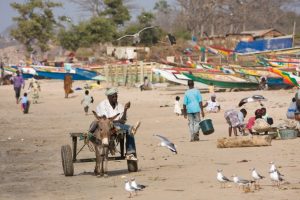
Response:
column 129, row 188
column 242, row 182
column 274, row 168
column 256, row 176
column 135, row 185
column 136, row 36
column 276, row 177
column 254, row 98
column 221, row 178
column 164, row 142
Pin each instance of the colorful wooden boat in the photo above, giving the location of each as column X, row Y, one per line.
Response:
column 222, row 81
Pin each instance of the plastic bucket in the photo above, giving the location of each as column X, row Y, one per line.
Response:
column 288, row 134
column 206, row 126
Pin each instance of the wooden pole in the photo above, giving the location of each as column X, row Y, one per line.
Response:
column 294, row 33
column 142, row 72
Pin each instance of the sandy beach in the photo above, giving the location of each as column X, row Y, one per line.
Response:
column 30, row 157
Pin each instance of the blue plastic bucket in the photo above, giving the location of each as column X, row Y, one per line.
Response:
column 206, row 126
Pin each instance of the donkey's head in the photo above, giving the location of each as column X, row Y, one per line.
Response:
column 105, row 128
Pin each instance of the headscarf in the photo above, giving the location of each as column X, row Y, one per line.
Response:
column 111, row 91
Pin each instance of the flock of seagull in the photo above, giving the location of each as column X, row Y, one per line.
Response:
column 275, row 176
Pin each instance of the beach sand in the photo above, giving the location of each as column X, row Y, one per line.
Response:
column 30, row 161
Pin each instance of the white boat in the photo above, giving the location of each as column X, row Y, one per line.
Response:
column 174, row 76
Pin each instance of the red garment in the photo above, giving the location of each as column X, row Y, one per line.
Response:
column 250, row 123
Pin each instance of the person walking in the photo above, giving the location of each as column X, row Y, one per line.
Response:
column 192, row 107
column 18, row 83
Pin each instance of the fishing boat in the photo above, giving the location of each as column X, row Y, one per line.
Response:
column 288, row 77
column 274, row 81
column 59, row 73
column 222, row 80
column 176, row 77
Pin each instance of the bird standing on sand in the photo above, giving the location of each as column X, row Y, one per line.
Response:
column 129, row 188
column 246, row 184
column 274, row 168
column 276, row 177
column 164, row 142
column 136, row 185
column 221, row 178
column 256, row 176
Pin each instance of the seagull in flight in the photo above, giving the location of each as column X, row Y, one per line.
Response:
column 164, row 142
column 136, row 36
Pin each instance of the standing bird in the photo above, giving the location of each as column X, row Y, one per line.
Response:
column 136, row 36
column 254, row 98
column 256, row 176
column 129, row 188
column 276, row 177
column 135, row 185
column 246, row 184
column 274, row 168
column 221, row 178
column 164, row 142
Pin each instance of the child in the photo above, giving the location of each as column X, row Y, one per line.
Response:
column 235, row 120
column 25, row 103
column 86, row 101
column 212, row 105
column 177, row 109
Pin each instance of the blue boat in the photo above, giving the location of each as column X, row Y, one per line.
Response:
column 60, row 75
column 86, row 73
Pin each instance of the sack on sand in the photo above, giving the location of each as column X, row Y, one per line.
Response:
column 261, row 125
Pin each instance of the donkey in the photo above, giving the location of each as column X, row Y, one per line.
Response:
column 103, row 135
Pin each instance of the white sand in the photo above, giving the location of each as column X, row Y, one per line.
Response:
column 31, row 169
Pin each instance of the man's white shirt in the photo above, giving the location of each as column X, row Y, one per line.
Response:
column 104, row 108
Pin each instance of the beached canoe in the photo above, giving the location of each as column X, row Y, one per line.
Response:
column 222, row 81
column 176, row 77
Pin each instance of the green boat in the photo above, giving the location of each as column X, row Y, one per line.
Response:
column 223, row 81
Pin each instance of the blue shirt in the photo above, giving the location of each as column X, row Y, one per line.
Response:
column 192, row 98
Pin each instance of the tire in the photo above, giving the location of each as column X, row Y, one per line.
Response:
column 67, row 162
column 132, row 165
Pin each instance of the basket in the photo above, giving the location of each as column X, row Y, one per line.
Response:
column 288, row 133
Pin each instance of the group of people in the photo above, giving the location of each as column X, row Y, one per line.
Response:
column 33, row 88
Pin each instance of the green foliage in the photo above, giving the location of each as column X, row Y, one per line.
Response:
column 116, row 11
column 146, row 18
column 85, row 34
column 162, row 6
column 183, row 34
column 35, row 23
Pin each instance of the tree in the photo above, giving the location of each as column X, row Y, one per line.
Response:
column 85, row 34
column 35, row 23
column 117, row 10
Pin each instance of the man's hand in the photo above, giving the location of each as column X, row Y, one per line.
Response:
column 202, row 114
column 185, row 115
column 127, row 105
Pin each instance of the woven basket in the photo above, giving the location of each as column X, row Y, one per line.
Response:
column 261, row 125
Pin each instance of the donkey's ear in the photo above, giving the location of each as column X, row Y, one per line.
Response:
column 95, row 114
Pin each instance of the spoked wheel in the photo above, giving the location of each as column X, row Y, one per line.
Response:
column 67, row 162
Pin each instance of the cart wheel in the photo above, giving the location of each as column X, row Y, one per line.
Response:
column 132, row 165
column 67, row 162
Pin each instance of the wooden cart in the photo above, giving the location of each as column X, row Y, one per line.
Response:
column 69, row 155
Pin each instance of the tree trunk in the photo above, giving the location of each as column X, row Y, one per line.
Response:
column 254, row 141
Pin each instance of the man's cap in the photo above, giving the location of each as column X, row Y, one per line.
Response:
column 111, row 91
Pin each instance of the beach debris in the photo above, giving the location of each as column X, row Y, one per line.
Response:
column 135, row 185
column 9, row 138
column 242, row 161
column 221, row 178
column 254, row 98
column 164, row 142
column 22, row 140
